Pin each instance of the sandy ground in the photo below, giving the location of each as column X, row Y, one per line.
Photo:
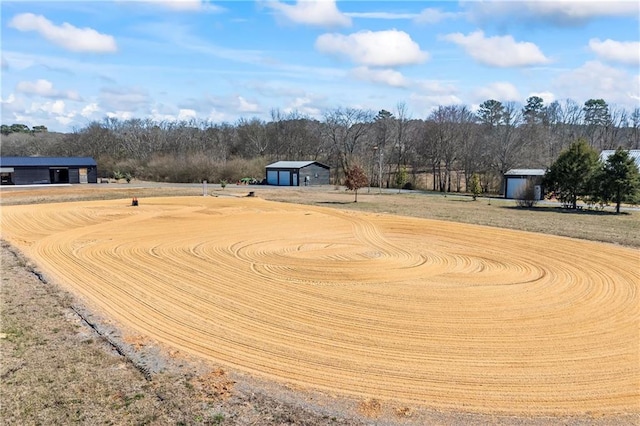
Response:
column 436, row 314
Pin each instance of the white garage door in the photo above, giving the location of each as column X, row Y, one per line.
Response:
column 514, row 186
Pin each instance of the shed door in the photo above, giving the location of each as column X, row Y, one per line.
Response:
column 272, row 177
column 295, row 179
column 285, row 178
column 514, row 186
column 84, row 178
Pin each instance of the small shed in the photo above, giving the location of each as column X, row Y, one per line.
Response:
column 297, row 173
column 47, row 170
column 516, row 180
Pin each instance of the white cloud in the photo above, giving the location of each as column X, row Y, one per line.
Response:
column 178, row 5
column 498, row 51
column 386, row 76
column 10, row 99
column 322, row 13
column 381, row 48
column 547, row 97
column 218, row 117
column 304, row 106
column 381, row 15
column 54, row 107
column 185, row 5
column 120, row 115
column 244, row 106
column 433, row 16
column 500, row 91
column 50, row 110
column 89, row 110
column 45, row 89
column 186, row 114
column 66, row 35
column 625, row 52
column 424, row 104
column 40, row 87
column 561, row 12
column 597, row 80
column 572, row 9
column 124, row 99
column 435, row 87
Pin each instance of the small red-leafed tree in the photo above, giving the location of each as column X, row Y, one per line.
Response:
column 356, row 179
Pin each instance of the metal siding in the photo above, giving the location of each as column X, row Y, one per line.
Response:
column 31, row 175
column 288, row 176
column 317, row 175
column 92, row 175
column 74, row 176
column 513, row 185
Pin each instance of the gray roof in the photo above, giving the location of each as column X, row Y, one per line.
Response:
column 633, row 153
column 293, row 164
column 47, row 161
column 525, row 172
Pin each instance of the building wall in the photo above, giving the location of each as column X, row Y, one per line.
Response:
column 309, row 175
column 30, row 175
column 42, row 175
column 515, row 184
column 317, row 175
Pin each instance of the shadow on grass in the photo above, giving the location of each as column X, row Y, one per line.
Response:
column 463, row 200
column 590, row 212
column 336, row 202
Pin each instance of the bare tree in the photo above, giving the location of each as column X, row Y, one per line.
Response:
column 252, row 135
column 346, row 129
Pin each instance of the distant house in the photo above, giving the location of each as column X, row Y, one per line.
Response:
column 516, row 180
column 47, row 170
column 633, row 153
column 297, row 173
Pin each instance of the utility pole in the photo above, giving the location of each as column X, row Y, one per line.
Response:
column 375, row 148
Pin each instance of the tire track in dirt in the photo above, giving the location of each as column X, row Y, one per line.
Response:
column 445, row 315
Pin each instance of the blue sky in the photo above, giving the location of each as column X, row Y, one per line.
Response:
column 66, row 64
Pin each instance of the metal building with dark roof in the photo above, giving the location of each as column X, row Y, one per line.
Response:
column 297, row 173
column 47, row 170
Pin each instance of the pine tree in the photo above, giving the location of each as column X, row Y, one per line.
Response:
column 569, row 177
column 620, row 178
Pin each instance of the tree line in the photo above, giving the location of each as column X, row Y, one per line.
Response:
column 441, row 151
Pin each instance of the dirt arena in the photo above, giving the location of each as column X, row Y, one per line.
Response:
column 443, row 315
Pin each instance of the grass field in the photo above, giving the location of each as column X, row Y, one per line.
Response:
column 407, row 316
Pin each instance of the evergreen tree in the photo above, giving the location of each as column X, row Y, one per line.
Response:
column 401, row 178
column 475, row 187
column 620, row 179
column 570, row 176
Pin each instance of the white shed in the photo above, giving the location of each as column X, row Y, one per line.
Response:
column 515, row 181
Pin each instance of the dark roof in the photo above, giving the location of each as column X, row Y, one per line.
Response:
column 47, row 161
